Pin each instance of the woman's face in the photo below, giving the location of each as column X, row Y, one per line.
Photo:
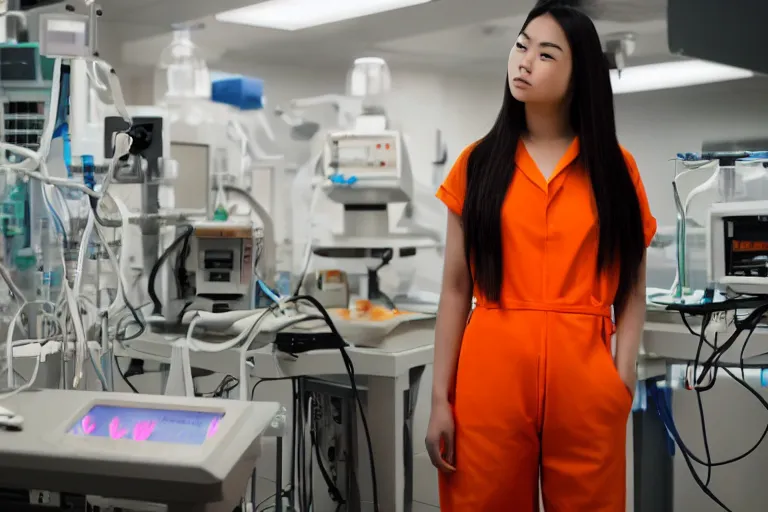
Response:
column 540, row 63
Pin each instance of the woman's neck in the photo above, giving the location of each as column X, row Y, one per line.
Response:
column 547, row 122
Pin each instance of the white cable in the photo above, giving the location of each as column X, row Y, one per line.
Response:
column 119, row 301
column 6, row 275
column 81, row 343
column 122, row 267
column 31, row 380
column 9, row 337
column 309, row 245
column 202, row 346
column 80, row 338
column 34, row 166
column 53, row 114
column 19, row 15
column 97, row 85
column 691, row 196
column 85, row 243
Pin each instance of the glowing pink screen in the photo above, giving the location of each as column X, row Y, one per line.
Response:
column 164, row 426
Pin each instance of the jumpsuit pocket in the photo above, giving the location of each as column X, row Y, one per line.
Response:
column 625, row 389
column 618, row 381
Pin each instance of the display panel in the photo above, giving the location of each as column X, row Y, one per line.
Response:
column 159, row 425
column 746, row 246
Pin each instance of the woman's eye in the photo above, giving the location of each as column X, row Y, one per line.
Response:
column 520, row 46
column 546, row 56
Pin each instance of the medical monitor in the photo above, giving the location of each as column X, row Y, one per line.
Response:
column 189, row 427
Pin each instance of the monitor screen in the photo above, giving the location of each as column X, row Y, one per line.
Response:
column 159, row 425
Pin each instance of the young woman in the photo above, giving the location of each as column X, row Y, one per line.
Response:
column 548, row 227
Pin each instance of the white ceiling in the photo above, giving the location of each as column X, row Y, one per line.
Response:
column 473, row 36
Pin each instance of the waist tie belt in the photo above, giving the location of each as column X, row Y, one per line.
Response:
column 573, row 309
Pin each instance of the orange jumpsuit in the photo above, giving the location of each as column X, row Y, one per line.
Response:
column 536, row 386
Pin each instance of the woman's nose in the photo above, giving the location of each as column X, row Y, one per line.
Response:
column 526, row 65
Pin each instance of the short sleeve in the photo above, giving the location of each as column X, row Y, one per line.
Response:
column 649, row 221
column 453, row 189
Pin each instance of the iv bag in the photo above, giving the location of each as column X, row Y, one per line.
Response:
column 181, row 72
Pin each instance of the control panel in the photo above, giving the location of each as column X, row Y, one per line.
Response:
column 363, row 155
column 737, row 245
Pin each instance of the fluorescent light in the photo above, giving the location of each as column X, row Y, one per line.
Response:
column 670, row 75
column 300, row 14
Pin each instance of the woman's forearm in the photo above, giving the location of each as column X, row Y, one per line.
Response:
column 451, row 320
column 629, row 326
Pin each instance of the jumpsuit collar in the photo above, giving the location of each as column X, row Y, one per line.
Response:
column 527, row 164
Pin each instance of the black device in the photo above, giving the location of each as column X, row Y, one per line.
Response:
column 300, row 342
column 719, row 31
column 147, row 145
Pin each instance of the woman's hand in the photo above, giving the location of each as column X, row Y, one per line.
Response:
column 440, row 437
column 629, row 378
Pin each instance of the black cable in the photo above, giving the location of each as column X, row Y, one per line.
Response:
column 298, row 406
column 303, row 274
column 138, row 319
column 747, row 453
column 266, row 379
column 180, row 271
column 666, row 418
column 156, row 305
column 705, row 437
column 294, row 440
column 283, row 492
column 351, row 373
column 294, row 427
column 702, row 334
column 689, row 456
column 125, row 379
column 227, row 385
column 750, row 323
column 713, row 362
column 332, row 489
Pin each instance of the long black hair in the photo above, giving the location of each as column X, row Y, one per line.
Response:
column 491, row 167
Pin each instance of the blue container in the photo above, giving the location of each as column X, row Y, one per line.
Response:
column 241, row 92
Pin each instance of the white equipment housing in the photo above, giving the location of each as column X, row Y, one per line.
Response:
column 185, row 454
column 223, row 258
column 366, row 169
column 380, row 167
column 737, row 247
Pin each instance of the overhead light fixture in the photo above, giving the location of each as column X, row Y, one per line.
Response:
column 300, row 14
column 671, row 75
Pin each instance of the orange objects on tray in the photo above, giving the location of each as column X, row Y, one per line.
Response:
column 365, row 310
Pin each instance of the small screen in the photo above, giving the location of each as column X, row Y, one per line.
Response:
column 163, row 426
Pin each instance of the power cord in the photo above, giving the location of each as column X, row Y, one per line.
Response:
column 226, row 386
column 713, row 365
column 156, row 305
column 125, row 379
column 349, row 366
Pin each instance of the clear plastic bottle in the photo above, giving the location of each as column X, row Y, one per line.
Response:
column 370, row 79
column 181, row 73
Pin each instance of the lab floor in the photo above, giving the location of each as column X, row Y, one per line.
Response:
column 424, row 492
